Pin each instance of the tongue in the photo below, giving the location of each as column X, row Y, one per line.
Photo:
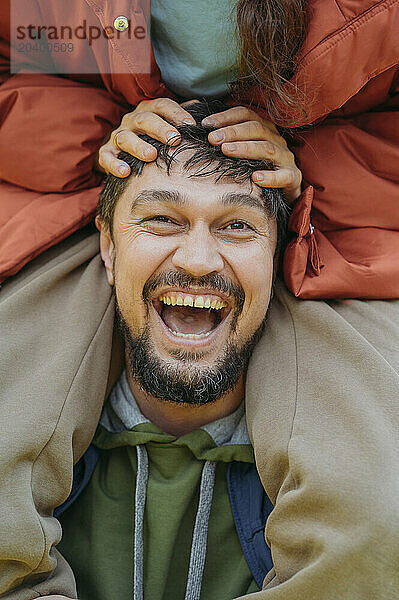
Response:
column 184, row 319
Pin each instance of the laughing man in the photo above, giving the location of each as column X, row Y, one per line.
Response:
column 189, row 246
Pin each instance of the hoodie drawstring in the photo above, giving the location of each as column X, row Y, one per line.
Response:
column 140, row 497
column 200, row 534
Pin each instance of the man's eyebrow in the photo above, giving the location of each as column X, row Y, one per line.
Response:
column 240, row 199
column 150, row 196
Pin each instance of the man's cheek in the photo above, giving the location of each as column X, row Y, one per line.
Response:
column 130, row 303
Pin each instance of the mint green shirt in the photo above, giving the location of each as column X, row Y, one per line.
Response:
column 194, row 45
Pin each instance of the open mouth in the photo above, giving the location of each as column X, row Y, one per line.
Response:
column 191, row 316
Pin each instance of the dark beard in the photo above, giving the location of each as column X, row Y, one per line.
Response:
column 200, row 386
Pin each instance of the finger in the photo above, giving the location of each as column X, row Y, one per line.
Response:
column 237, row 114
column 153, row 125
column 189, row 102
column 287, row 179
column 168, row 109
column 249, row 130
column 275, row 179
column 111, row 164
column 130, row 142
column 259, row 150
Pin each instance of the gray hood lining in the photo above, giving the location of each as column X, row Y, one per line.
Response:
column 121, row 413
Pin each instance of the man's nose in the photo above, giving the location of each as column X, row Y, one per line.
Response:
column 198, row 254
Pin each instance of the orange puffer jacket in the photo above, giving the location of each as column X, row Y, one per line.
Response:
column 345, row 238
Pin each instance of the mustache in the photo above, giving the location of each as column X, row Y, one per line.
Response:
column 212, row 281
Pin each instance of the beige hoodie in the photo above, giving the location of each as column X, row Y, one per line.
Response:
column 322, row 409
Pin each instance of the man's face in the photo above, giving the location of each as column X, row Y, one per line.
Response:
column 192, row 264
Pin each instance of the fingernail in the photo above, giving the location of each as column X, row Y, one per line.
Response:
column 188, row 122
column 172, row 137
column 123, row 170
column 231, row 147
column 259, row 177
column 208, row 122
column 217, row 136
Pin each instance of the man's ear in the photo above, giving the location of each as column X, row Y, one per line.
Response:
column 107, row 250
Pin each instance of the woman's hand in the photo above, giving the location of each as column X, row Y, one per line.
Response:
column 150, row 117
column 240, row 132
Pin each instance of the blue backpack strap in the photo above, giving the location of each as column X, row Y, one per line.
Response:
column 251, row 507
column 82, row 472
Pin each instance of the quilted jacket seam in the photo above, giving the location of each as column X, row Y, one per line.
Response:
column 337, row 36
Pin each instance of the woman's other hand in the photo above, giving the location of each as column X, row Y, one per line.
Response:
column 242, row 133
column 152, row 117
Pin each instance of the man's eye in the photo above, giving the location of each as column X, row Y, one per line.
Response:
column 238, row 226
column 161, row 225
column 161, row 219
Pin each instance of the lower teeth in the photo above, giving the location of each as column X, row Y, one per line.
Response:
column 193, row 336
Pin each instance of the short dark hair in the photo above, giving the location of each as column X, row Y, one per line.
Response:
column 204, row 160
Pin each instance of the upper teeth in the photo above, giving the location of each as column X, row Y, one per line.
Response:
column 196, row 301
